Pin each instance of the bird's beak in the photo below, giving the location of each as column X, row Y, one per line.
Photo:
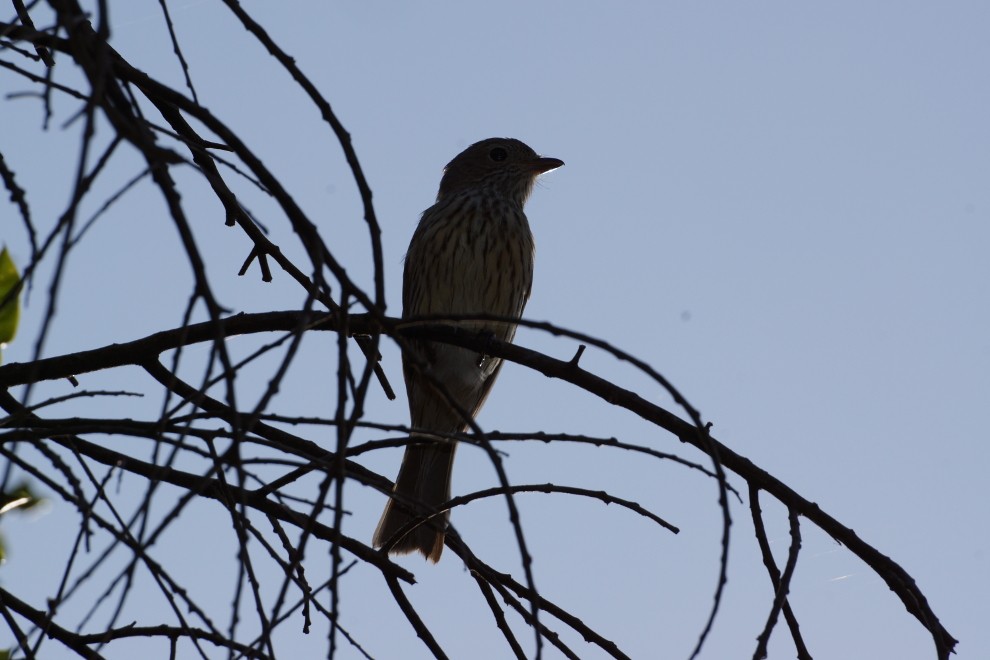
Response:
column 542, row 164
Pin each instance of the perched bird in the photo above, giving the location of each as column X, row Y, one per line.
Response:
column 472, row 253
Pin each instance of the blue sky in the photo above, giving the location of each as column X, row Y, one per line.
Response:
column 783, row 208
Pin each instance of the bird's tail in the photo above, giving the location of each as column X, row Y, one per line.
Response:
column 422, row 486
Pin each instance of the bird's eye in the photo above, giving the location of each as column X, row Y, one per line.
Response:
column 498, row 154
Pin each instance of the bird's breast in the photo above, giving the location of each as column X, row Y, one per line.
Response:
column 469, row 258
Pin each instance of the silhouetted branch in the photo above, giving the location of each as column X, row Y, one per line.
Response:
column 775, row 579
column 130, row 479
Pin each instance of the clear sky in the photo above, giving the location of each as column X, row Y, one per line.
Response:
column 784, row 208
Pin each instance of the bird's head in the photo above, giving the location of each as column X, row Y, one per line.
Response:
column 502, row 166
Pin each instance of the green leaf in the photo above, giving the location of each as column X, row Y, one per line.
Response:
column 20, row 497
column 9, row 312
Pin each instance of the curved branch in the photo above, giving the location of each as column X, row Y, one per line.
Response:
column 139, row 351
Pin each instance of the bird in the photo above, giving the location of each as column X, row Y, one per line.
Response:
column 472, row 253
